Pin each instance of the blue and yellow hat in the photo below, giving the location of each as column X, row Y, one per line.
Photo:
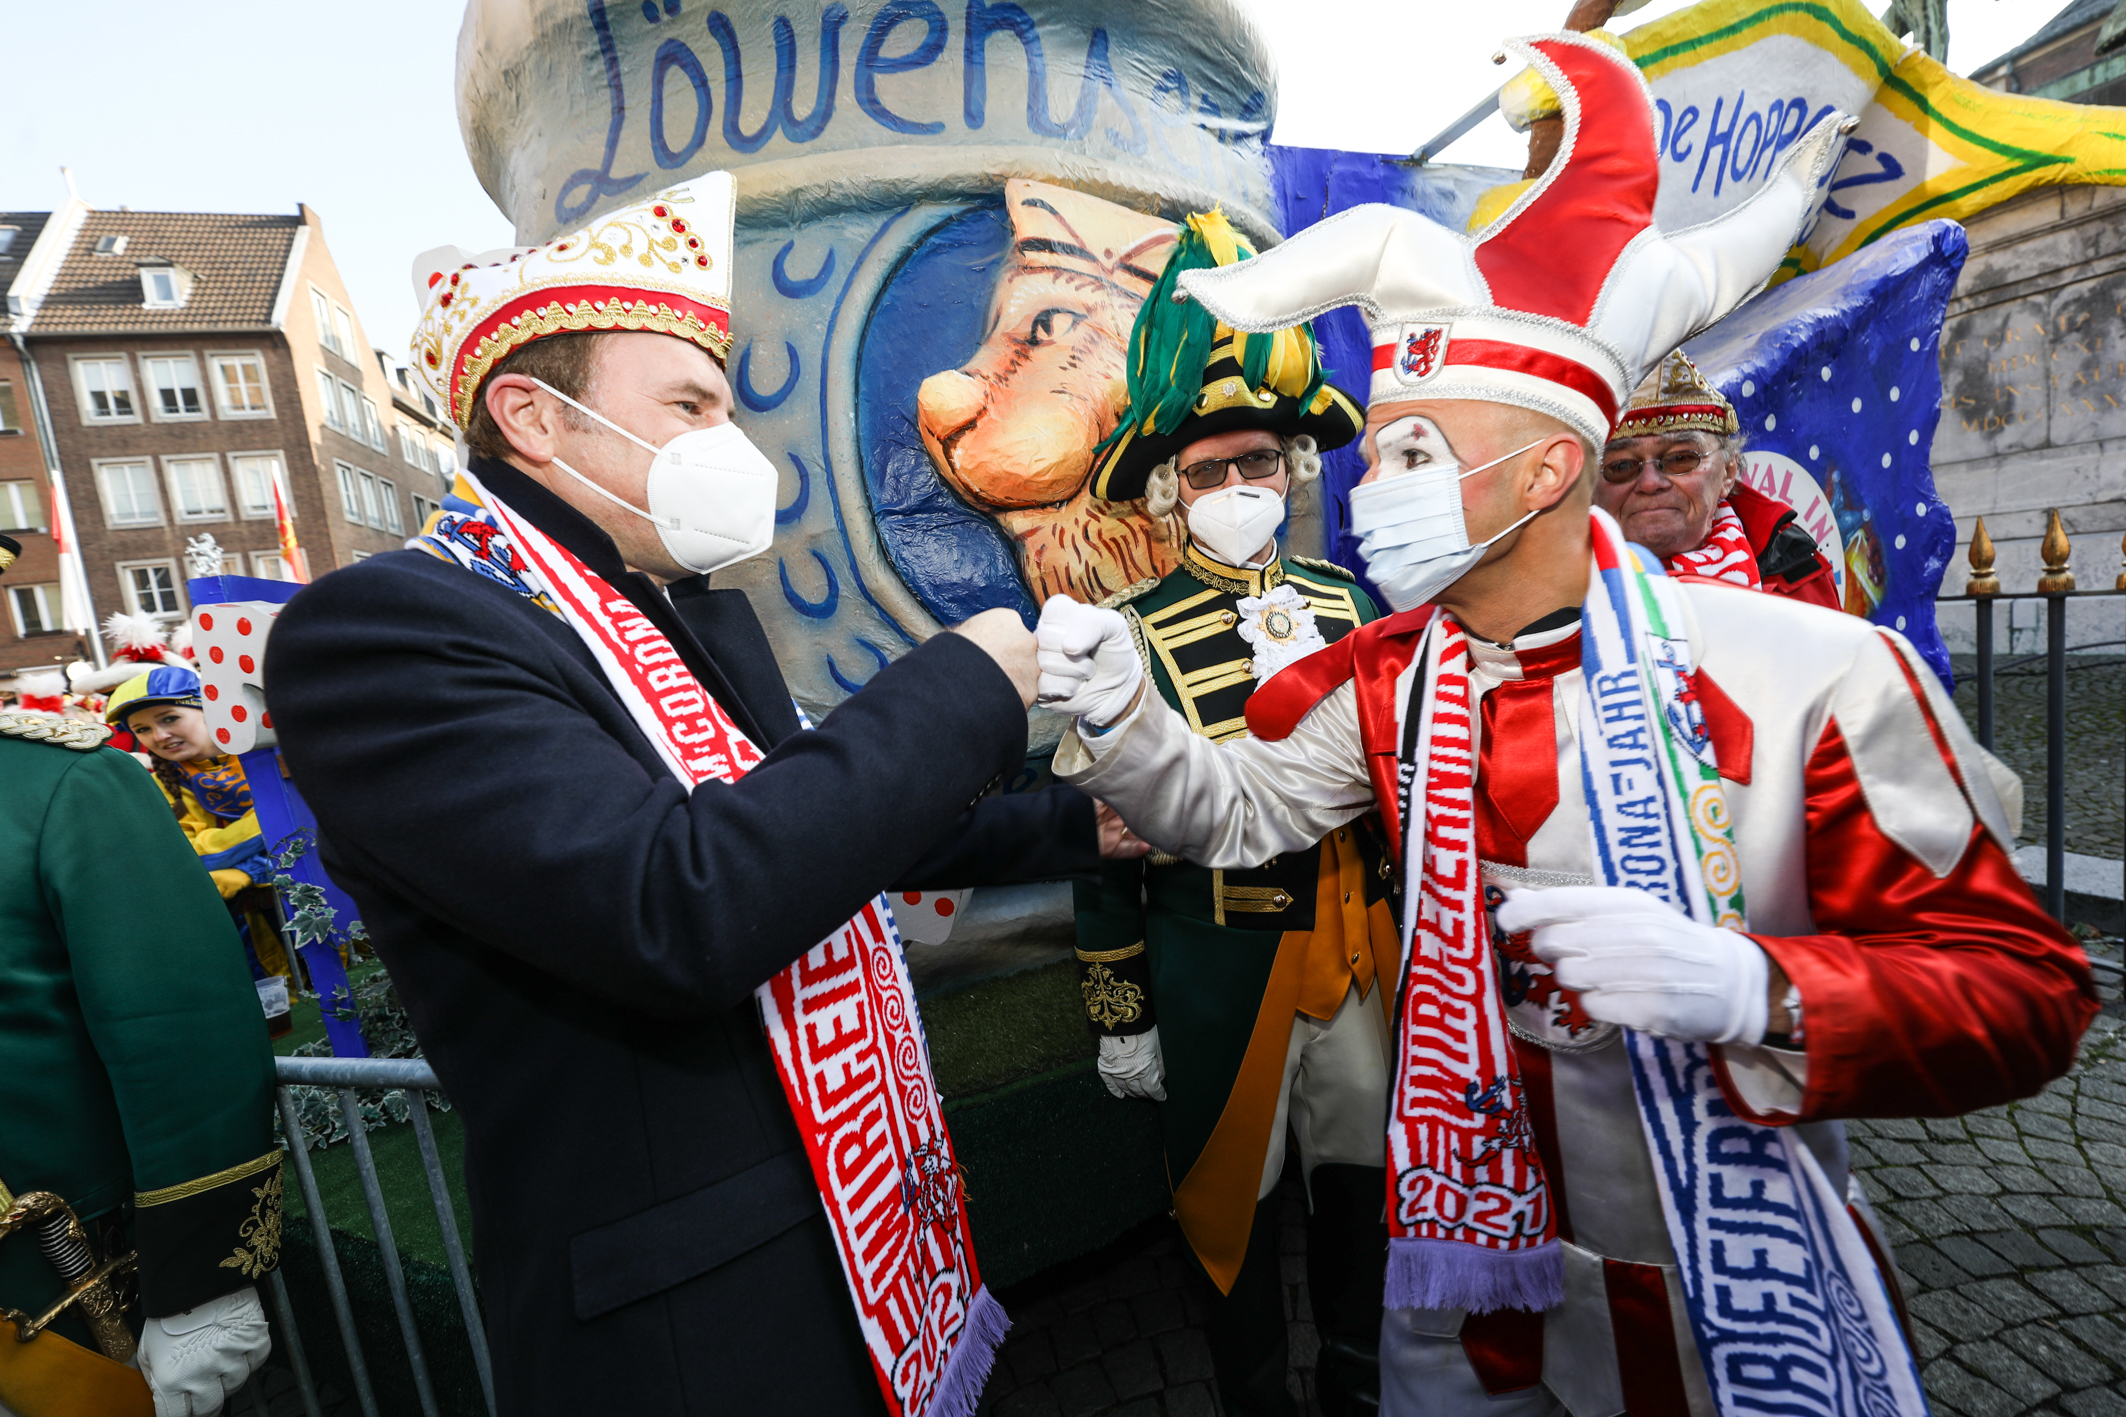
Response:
column 166, row 685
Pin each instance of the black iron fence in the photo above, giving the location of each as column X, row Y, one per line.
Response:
column 2055, row 589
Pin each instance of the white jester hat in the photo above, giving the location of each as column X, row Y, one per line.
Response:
column 662, row 265
column 1565, row 301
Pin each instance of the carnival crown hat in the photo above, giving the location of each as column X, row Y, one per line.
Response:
column 662, row 265
column 1564, row 301
column 1676, row 398
column 1192, row 377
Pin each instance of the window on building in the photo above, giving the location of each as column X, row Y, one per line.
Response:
column 423, row 509
column 10, row 422
column 372, row 513
column 111, row 245
column 106, row 390
column 387, row 495
column 343, row 327
column 164, row 285
column 351, row 413
column 328, row 394
column 175, row 382
column 7, row 238
column 195, row 489
column 129, row 497
column 255, row 475
column 21, row 509
column 36, row 609
column 326, row 335
column 271, row 566
column 373, row 427
column 350, row 493
column 151, row 588
column 412, row 446
column 240, row 385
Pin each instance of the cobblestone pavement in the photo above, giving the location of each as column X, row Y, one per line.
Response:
column 2009, row 1224
column 2009, row 1227
column 2096, row 742
column 1121, row 1332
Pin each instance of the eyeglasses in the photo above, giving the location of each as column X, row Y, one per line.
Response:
column 1255, row 466
column 1676, row 462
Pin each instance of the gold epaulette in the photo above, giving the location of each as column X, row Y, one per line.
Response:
column 1329, row 568
column 48, row 728
column 1123, row 597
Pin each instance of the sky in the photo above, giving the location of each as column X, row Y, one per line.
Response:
column 350, row 108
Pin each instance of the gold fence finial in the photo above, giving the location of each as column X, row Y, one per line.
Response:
column 1983, row 581
column 2058, row 579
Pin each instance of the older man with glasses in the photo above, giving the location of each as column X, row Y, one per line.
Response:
column 1247, row 1003
column 1671, row 476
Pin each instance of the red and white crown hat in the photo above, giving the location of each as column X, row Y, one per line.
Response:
column 662, row 265
column 1566, row 300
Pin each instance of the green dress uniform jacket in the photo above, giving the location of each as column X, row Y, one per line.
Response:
column 138, row 1082
column 1221, row 960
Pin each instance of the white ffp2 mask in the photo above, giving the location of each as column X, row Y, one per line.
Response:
column 712, row 493
column 1234, row 523
column 1411, row 532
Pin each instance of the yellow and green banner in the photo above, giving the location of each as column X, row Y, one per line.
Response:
column 1736, row 82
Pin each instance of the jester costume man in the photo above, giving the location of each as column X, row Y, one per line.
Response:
column 1245, row 1000
column 1690, row 872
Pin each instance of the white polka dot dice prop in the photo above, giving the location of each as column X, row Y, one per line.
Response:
column 926, row 917
column 229, row 642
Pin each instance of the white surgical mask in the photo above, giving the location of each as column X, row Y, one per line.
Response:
column 1409, row 525
column 712, row 493
column 1234, row 523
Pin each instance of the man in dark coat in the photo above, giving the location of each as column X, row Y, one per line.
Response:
column 578, row 937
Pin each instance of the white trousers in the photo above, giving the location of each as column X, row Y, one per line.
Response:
column 1335, row 1091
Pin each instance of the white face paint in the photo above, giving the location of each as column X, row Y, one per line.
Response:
column 1409, row 519
column 1409, row 445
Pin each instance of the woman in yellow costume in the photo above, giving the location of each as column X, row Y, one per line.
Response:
column 208, row 792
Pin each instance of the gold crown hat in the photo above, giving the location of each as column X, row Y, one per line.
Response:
column 1566, row 300
column 1192, row 377
column 1676, row 398
column 662, row 265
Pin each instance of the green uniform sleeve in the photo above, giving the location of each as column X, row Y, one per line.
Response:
column 1114, row 973
column 170, row 1006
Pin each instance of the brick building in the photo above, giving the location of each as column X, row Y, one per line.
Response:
column 188, row 362
column 32, row 632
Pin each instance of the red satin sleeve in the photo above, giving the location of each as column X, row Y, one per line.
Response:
column 1922, row 997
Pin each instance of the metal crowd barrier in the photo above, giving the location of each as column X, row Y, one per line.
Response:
column 2055, row 587
column 346, row 1075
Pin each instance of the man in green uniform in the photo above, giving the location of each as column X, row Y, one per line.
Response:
column 1247, row 1002
column 139, row 1085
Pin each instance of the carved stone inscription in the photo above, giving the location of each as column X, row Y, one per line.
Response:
column 2044, row 372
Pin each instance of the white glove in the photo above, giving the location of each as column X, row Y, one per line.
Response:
column 1634, row 961
column 1133, row 1066
column 1089, row 667
column 195, row 1361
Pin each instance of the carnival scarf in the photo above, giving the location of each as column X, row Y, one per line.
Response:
column 1789, row 1311
column 842, row 1021
column 1725, row 556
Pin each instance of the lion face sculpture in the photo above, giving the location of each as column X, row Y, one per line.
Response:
column 1013, row 429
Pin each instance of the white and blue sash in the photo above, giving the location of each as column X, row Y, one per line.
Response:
column 1790, row 1312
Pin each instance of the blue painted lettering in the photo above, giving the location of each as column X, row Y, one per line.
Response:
column 779, row 115
column 599, row 181
column 1715, row 137
column 985, row 19
column 1752, row 132
column 673, row 54
column 1668, row 119
column 872, row 60
column 1685, row 121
